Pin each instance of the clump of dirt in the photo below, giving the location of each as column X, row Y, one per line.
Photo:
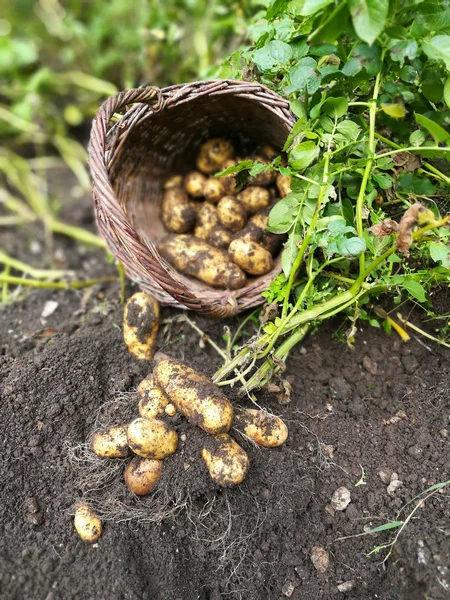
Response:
column 380, row 410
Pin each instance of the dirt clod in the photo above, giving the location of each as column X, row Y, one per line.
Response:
column 341, row 498
column 320, row 559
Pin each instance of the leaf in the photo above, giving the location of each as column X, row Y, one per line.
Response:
column 310, row 7
column 369, row 18
column 382, row 180
column 438, row 48
column 397, row 111
column 417, row 138
column 438, row 133
column 272, row 55
column 335, row 107
column 416, row 289
column 290, row 252
column 344, row 246
column 430, row 17
column 385, row 527
column 349, row 129
column 403, row 49
column 283, row 215
column 244, row 165
column 416, row 185
column 432, row 86
column 303, row 155
column 447, row 91
column 352, row 67
column 370, row 57
column 298, row 108
column 304, row 76
column 440, row 252
column 277, row 7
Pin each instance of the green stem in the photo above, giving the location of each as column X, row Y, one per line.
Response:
column 53, row 285
column 18, row 265
column 77, row 233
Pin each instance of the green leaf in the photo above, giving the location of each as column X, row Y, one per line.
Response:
column 401, row 49
column 273, row 55
column 335, row 107
column 416, row 289
column 432, row 86
column 382, row 180
column 447, row 91
column 298, row 108
column 277, row 7
column 290, row 252
column 397, row 111
column 369, row 18
column 430, row 17
column 304, row 76
column 352, row 67
column 310, row 7
column 417, row 138
column 438, row 48
column 416, row 185
column 438, row 133
column 344, row 246
column 385, row 527
column 283, row 215
column 349, row 129
column 370, row 58
column 440, row 252
column 303, row 155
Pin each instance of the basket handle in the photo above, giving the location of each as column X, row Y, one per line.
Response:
column 150, row 95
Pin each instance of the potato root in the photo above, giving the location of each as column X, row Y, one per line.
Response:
column 152, row 400
column 151, row 438
column 140, row 325
column 254, row 198
column 111, row 443
column 284, row 184
column 250, row 256
column 177, row 213
column 142, row 474
column 265, row 429
column 226, row 461
column 194, row 395
column 194, row 182
column 87, row 524
column 199, row 259
column 213, row 190
column 231, row 213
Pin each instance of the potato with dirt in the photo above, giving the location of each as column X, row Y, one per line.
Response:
column 284, row 184
column 213, row 190
column 228, row 181
column 177, row 213
column 194, row 395
column 197, row 258
column 151, row 438
column 263, row 428
column 152, row 400
column 254, row 198
column 219, row 237
column 231, row 213
column 271, row 242
column 111, row 443
column 217, row 150
column 87, row 523
column 265, row 178
column 194, row 183
column 225, row 460
column 175, row 181
column 250, row 256
column 142, row 474
column 140, row 325
column 207, row 219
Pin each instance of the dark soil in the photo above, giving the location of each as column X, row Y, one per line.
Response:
column 384, row 406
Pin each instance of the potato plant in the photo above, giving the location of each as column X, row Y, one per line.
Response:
column 364, row 190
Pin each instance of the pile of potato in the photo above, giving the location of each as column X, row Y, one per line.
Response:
column 217, row 234
column 150, row 438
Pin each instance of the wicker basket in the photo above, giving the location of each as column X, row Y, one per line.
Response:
column 158, row 135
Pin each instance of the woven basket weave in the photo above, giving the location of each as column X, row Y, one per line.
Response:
column 158, row 135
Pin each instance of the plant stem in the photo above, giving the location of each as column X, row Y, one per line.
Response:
column 413, row 149
column 77, row 233
column 18, row 265
column 53, row 285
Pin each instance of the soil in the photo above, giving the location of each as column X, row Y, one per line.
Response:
column 382, row 407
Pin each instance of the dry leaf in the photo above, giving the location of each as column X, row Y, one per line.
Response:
column 386, row 227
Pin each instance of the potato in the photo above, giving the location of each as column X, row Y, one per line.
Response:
column 269, row 152
column 177, row 213
column 198, row 259
column 194, row 183
column 269, row 241
column 140, row 325
column 194, row 395
column 261, row 219
column 142, row 474
column 250, row 256
column 250, row 233
column 217, row 151
column 284, row 184
column 213, row 190
column 219, row 237
column 265, row 429
column 151, row 438
column 226, row 461
column 231, row 213
column 264, row 178
column 228, row 181
column 173, row 182
column 152, row 400
column 87, row 524
column 170, row 410
column 111, row 443
column 205, row 165
column 207, row 219
column 254, row 198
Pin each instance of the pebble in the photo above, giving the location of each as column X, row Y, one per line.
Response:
column 320, row 559
column 288, row 589
column 346, row 586
column 341, row 499
column 443, row 433
column 394, row 484
column 339, row 388
column 410, row 363
column 370, row 365
column 327, row 450
column 385, row 475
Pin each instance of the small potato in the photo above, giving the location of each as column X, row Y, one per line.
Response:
column 170, row 410
column 226, row 461
column 284, row 184
column 261, row 219
column 207, row 219
column 264, row 178
column 219, row 237
column 173, row 182
column 111, row 443
column 194, row 183
column 269, row 241
column 265, row 429
column 250, row 233
column 140, row 325
column 151, row 438
column 177, row 213
column 205, row 165
column 197, row 258
column 269, row 152
column 152, row 400
column 142, row 474
column 254, row 198
column 228, row 181
column 87, row 524
column 213, row 190
column 250, row 256
column 217, row 151
column 231, row 213
column 194, row 395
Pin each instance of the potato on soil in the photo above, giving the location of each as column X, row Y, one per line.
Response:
column 250, row 256
column 152, row 400
column 194, row 395
column 197, row 258
column 284, row 184
column 213, row 190
column 173, row 182
column 254, row 198
column 177, row 213
column 87, row 524
column 140, row 325
column 231, row 213
column 219, row 237
column 142, row 474
column 207, row 219
column 151, row 438
column 217, row 151
column 111, row 443
column 194, row 183
column 226, row 461
column 265, row 429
